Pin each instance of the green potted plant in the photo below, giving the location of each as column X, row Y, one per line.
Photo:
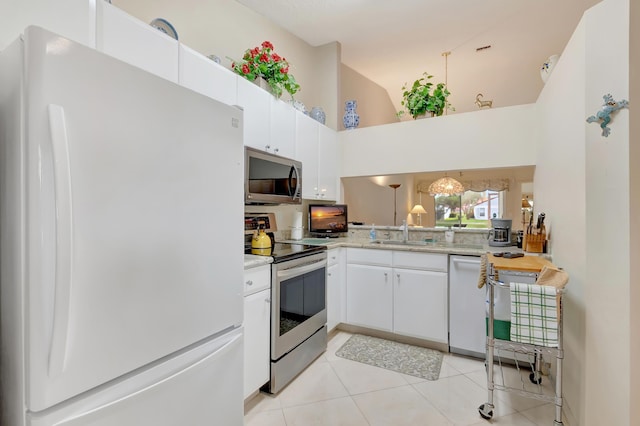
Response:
column 263, row 62
column 420, row 100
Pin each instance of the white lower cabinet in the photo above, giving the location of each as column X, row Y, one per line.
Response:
column 420, row 304
column 257, row 317
column 336, row 291
column 397, row 291
column 370, row 296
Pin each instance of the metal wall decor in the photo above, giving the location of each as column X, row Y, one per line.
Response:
column 481, row 103
column 610, row 106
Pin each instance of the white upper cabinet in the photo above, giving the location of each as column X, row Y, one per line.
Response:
column 283, row 128
column 202, row 75
column 307, row 130
column 72, row 19
column 135, row 42
column 327, row 163
column 256, row 104
column 317, row 148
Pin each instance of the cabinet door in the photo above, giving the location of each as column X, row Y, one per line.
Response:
column 420, row 304
column 72, row 19
column 307, row 152
column 255, row 103
column 202, row 75
column 334, row 296
column 369, row 296
column 283, row 129
column 328, row 163
column 257, row 314
column 135, row 42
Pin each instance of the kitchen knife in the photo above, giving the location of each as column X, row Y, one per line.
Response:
column 539, row 221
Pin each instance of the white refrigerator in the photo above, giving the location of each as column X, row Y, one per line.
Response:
column 121, row 244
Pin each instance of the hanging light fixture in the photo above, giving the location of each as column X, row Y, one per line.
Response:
column 446, row 186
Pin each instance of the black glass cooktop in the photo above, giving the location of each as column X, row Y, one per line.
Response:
column 287, row 251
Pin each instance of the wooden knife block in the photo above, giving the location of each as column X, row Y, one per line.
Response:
column 534, row 243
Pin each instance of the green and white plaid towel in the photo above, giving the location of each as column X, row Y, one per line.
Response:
column 534, row 314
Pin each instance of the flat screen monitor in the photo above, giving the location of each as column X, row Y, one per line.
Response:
column 328, row 219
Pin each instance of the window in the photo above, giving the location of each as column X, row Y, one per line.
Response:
column 471, row 210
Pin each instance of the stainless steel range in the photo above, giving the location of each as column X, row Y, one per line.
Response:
column 298, row 308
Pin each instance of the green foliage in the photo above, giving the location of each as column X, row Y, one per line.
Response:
column 420, row 99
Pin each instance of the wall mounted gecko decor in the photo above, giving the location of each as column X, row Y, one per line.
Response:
column 608, row 107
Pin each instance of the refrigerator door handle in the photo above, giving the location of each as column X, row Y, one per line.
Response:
column 63, row 250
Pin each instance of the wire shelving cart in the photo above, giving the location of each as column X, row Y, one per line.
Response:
column 531, row 356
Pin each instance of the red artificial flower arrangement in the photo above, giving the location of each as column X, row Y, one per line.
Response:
column 263, row 62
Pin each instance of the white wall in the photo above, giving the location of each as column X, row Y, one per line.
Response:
column 374, row 104
column 500, row 137
column 608, row 256
column 560, row 191
column 578, row 175
column 634, row 207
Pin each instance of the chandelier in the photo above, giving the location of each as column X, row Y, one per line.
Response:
column 446, row 186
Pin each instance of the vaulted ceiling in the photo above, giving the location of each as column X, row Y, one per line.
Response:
column 497, row 46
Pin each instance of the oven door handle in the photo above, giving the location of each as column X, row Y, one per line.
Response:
column 300, row 270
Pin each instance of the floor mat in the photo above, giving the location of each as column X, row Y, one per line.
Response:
column 399, row 357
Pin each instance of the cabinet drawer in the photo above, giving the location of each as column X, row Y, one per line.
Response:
column 256, row 279
column 369, row 256
column 424, row 261
column 333, row 256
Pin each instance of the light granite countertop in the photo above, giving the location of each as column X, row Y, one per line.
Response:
column 254, row 260
column 418, row 246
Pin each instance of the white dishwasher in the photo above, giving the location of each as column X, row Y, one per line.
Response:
column 467, row 329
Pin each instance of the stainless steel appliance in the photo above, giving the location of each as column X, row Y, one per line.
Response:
column 271, row 179
column 298, row 304
column 500, row 233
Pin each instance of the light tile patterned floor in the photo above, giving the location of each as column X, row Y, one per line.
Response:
column 334, row 392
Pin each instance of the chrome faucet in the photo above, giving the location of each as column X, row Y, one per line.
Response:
column 405, row 231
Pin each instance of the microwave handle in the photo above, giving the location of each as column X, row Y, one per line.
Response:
column 294, row 172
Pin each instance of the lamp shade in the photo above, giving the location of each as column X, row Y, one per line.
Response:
column 418, row 209
column 446, row 186
column 525, row 203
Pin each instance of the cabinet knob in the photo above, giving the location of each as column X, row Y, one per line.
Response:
column 276, row 150
column 267, row 300
column 249, row 282
column 328, row 274
column 267, row 147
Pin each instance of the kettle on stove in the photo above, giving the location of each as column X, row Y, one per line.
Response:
column 261, row 243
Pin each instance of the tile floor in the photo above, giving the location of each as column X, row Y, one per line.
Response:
column 333, row 391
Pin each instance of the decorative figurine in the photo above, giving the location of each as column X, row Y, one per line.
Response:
column 608, row 107
column 481, row 103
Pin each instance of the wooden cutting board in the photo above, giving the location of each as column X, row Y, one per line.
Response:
column 523, row 264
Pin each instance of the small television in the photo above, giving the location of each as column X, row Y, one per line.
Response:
column 328, row 220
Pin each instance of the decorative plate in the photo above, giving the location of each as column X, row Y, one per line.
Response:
column 164, row 26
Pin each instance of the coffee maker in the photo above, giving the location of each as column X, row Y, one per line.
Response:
column 500, row 233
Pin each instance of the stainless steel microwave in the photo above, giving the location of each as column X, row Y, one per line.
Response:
column 271, row 179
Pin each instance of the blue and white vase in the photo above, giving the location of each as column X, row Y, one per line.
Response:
column 351, row 118
column 318, row 114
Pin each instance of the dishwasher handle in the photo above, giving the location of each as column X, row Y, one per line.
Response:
column 467, row 261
